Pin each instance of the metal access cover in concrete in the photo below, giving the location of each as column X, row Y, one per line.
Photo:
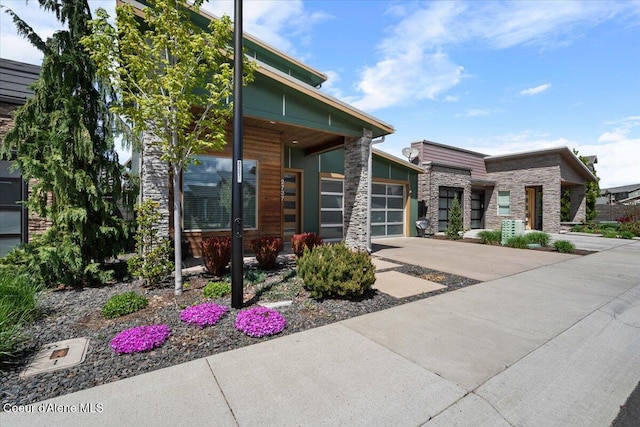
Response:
column 59, row 355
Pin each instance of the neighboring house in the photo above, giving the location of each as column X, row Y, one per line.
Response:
column 626, row 194
column 15, row 224
column 524, row 186
column 616, row 203
column 308, row 165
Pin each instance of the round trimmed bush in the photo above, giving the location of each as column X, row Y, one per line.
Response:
column 336, row 271
column 216, row 289
column 121, row 304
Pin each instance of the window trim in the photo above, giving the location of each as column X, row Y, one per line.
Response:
column 508, row 205
column 214, row 230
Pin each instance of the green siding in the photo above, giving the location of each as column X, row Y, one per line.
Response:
column 333, row 162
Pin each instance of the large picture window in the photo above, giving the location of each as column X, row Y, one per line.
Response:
column 206, row 191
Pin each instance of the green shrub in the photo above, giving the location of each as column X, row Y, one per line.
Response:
column 305, row 240
column 216, row 253
column 336, row 271
column 564, row 246
column 538, row 237
column 455, row 220
column 121, row 304
column 253, row 277
column 625, row 234
column 490, row 237
column 152, row 262
column 519, row 242
column 632, row 227
column 18, row 307
column 266, row 250
column 610, row 233
column 216, row 289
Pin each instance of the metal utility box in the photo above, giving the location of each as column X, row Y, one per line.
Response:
column 510, row 228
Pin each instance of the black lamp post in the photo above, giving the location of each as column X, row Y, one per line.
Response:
column 237, row 263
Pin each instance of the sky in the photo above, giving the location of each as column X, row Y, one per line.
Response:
column 489, row 76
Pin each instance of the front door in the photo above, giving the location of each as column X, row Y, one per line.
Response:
column 533, row 208
column 291, row 209
column 477, row 209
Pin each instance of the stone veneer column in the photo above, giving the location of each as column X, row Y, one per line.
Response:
column 154, row 181
column 356, row 190
column 578, row 203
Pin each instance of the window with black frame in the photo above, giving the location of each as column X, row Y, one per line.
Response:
column 12, row 212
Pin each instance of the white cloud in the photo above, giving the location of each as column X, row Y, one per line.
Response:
column 617, row 152
column 535, row 90
column 474, row 113
column 451, row 98
column 414, row 63
column 273, row 21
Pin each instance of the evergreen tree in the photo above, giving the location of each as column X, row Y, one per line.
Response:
column 173, row 80
column 592, row 192
column 63, row 140
column 455, row 220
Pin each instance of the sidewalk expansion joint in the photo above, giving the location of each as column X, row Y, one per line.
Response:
column 224, row 396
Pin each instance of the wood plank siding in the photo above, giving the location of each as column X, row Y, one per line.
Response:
column 445, row 155
column 265, row 147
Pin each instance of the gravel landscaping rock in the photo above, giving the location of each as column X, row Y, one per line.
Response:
column 77, row 313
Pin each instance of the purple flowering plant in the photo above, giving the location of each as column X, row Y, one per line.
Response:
column 260, row 321
column 202, row 315
column 140, row 338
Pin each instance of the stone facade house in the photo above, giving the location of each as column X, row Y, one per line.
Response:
column 16, row 224
column 308, row 166
column 525, row 186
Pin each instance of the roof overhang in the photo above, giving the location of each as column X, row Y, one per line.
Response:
column 397, row 160
column 564, row 152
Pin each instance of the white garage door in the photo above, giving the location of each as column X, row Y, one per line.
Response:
column 387, row 210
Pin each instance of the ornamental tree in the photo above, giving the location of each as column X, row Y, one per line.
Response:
column 173, row 81
column 592, row 190
column 62, row 142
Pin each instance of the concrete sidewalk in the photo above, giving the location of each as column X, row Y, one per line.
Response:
column 557, row 345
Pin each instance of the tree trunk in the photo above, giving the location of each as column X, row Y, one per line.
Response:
column 177, row 231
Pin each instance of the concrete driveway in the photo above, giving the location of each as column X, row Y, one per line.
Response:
column 476, row 261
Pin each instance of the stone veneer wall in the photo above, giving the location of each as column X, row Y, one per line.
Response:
column 437, row 176
column 356, row 191
column 578, row 203
column 154, row 181
column 514, row 175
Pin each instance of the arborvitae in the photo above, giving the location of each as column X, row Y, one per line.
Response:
column 63, row 143
column 455, row 220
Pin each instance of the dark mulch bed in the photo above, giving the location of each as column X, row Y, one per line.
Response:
column 76, row 313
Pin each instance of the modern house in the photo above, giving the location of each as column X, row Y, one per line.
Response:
column 308, row 165
column 15, row 224
column 524, row 186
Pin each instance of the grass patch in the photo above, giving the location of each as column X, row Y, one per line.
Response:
column 564, row 246
column 490, row 237
column 18, row 307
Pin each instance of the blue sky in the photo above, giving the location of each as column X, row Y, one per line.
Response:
column 493, row 77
